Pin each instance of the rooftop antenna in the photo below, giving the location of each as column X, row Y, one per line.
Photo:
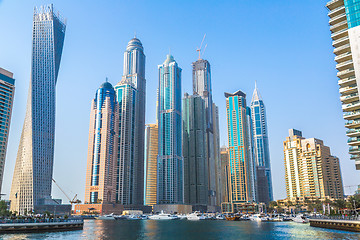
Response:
column 106, row 79
column 199, row 49
column 135, row 34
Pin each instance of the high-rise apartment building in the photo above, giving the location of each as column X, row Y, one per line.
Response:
column 170, row 161
column 194, row 150
column 151, row 153
column 241, row 177
column 100, row 173
column 7, row 89
column 345, row 31
column 261, row 148
column 225, row 173
column 310, row 169
column 202, row 87
column 32, row 179
column 130, row 93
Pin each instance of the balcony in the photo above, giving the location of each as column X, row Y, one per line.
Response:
column 352, row 123
column 339, row 34
column 354, row 150
column 350, row 98
column 331, row 5
column 348, row 90
column 346, row 73
column 354, row 141
column 337, row 19
column 345, row 65
column 343, row 57
column 339, row 26
column 336, row 11
column 342, row 49
column 353, row 132
column 341, row 42
column 355, row 157
column 351, row 106
column 351, row 115
column 347, row 81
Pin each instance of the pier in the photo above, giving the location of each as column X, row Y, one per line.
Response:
column 25, row 227
column 339, row 224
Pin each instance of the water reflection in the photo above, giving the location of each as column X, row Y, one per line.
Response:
column 189, row 230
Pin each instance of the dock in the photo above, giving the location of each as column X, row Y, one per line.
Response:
column 69, row 225
column 339, row 224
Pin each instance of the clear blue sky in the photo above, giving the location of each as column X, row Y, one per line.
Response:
column 284, row 45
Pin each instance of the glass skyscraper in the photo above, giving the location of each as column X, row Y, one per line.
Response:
column 345, row 32
column 101, row 174
column 202, row 86
column 7, row 89
column 261, row 148
column 170, row 160
column 151, row 153
column 32, row 179
column 194, row 151
column 240, row 159
column 130, row 93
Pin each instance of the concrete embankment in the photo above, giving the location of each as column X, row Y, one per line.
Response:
column 347, row 225
column 41, row 226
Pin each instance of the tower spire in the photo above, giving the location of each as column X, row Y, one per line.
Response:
column 256, row 94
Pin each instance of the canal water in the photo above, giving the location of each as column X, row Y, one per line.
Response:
column 190, row 230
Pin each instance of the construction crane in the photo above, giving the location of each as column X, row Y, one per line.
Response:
column 199, row 49
column 74, row 200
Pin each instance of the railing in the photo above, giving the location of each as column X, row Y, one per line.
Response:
column 345, row 218
column 344, row 63
column 336, row 9
column 39, row 220
column 346, row 80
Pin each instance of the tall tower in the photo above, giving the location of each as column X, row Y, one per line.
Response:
column 261, row 148
column 100, row 173
column 32, row 179
column 151, row 153
column 202, row 87
column 345, row 32
column 130, row 93
column 170, row 161
column 241, row 178
column 194, row 151
column 310, row 169
column 7, row 89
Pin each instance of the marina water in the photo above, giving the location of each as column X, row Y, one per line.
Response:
column 190, row 230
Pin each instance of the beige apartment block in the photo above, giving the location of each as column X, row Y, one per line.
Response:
column 310, row 169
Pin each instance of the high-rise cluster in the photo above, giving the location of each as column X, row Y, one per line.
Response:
column 310, row 169
column 345, row 32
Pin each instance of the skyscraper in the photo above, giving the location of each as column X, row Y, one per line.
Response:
column 7, row 89
column 130, row 93
column 202, row 87
column 225, row 172
column 151, row 153
column 170, row 160
column 194, row 151
column 261, row 148
column 345, row 31
column 241, row 178
column 100, row 173
column 32, row 179
column 310, row 169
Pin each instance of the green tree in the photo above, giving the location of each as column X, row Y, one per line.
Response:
column 4, row 212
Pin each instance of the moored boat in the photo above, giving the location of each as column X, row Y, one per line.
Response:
column 163, row 216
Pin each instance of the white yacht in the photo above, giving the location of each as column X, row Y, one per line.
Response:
column 220, row 217
column 256, row 217
column 195, row 216
column 300, row 218
column 106, row 217
column 163, row 216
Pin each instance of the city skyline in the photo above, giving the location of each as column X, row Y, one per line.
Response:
column 216, row 80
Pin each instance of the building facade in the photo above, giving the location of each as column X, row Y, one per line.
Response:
column 194, row 151
column 310, row 169
column 345, row 32
column 202, row 87
column 170, row 161
column 241, row 178
column 225, row 173
column 261, row 148
column 32, row 179
column 151, row 153
column 7, row 89
column 130, row 92
column 100, row 174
